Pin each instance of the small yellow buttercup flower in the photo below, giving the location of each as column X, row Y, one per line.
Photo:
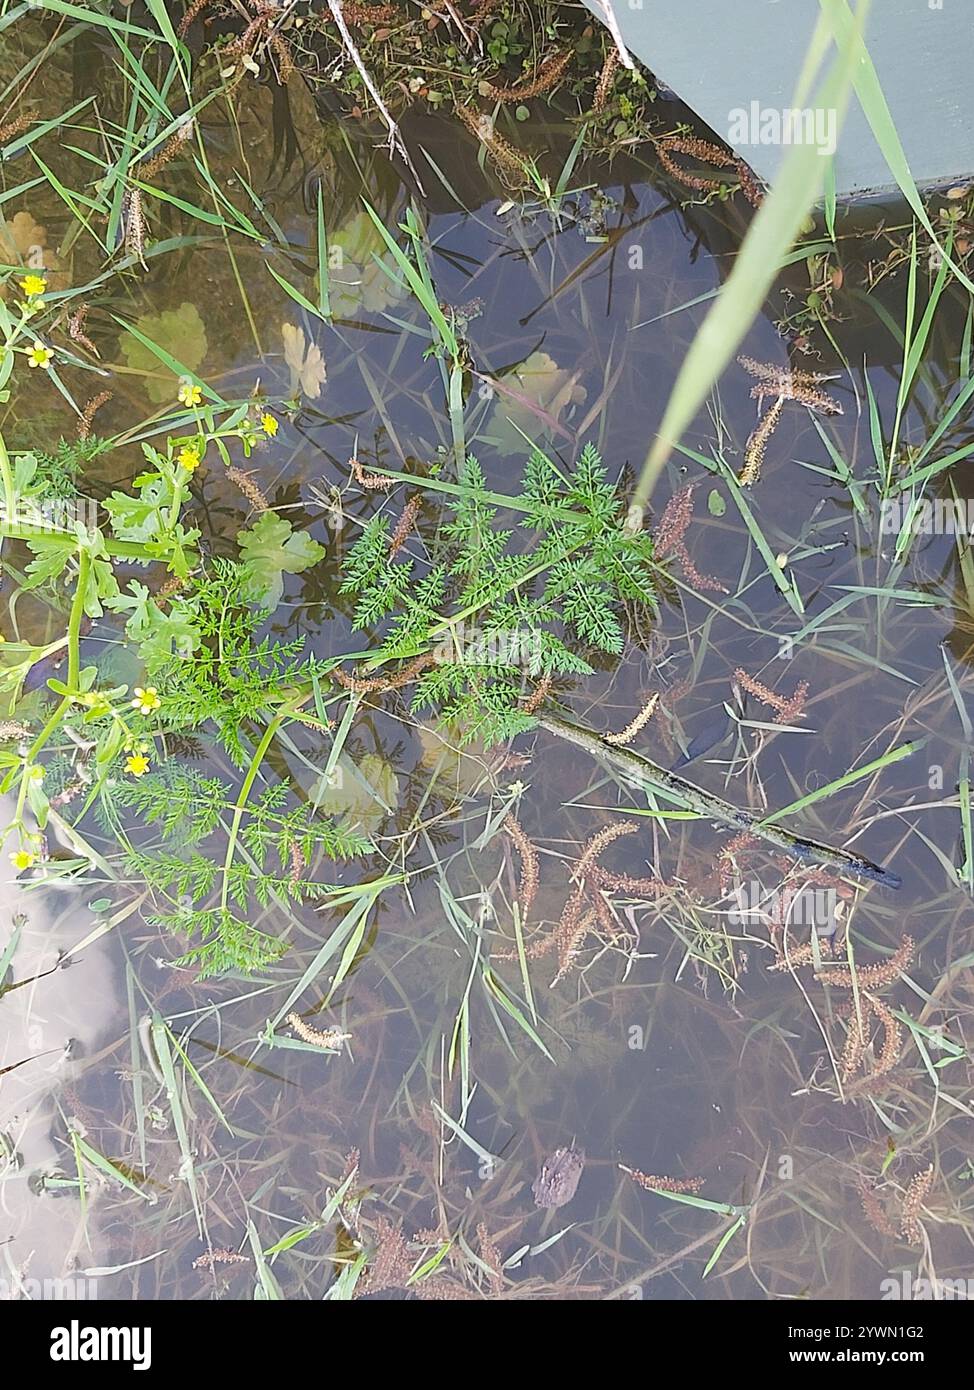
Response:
column 22, row 859
column 189, row 459
column 39, row 355
column 190, row 393
column 137, row 764
column 269, row 425
column 33, row 285
column 145, row 701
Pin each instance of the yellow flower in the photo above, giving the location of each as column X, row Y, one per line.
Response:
column 269, row 425
column 39, row 355
column 145, row 701
column 137, row 764
column 190, row 393
column 189, row 459
column 33, row 285
column 22, row 859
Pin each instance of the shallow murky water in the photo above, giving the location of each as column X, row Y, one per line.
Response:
column 672, row 1049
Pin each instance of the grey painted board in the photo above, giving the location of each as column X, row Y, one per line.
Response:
column 744, row 56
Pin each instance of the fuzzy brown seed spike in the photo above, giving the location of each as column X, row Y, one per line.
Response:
column 570, row 933
column 14, row 127
column 757, row 444
column 601, row 841
column 328, row 1038
column 298, row 864
column 538, row 695
column 392, row 1263
column 738, row 845
column 89, row 412
column 675, row 520
column 794, row 957
column 404, row 525
column 528, row 886
column 549, row 72
column 875, row 1212
column 149, row 168
column 603, row 87
column 856, row 1039
column 196, row 8
column 916, row 1193
column 372, row 482
column 370, row 684
column 661, row 1184
column 670, row 539
column 245, row 482
column 76, row 329
column 871, row 977
column 491, row 1257
column 633, row 727
column 784, row 385
column 788, row 708
column 707, row 153
column 503, row 156
column 625, row 883
column 133, row 219
column 889, row 1053
column 222, row 1256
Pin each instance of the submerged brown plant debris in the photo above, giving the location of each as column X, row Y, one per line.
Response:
column 366, row 685
column 707, row 153
column 871, row 976
column 906, row 1224
column 491, row 1257
column 633, row 727
column 220, row 1256
column 542, row 80
column 538, row 695
column 245, row 482
column 76, row 329
column 88, row 414
column 404, row 525
column 660, row 1184
column 916, row 1193
column 329, row 1038
column 788, row 708
column 783, row 384
column 372, row 482
column 670, row 538
column 528, row 886
column 504, row 158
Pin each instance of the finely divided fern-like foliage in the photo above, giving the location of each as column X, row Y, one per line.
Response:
column 280, row 840
column 540, row 595
column 232, row 676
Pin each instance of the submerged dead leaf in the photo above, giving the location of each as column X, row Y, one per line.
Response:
column 538, row 392
column 362, row 794
column 304, row 361
column 23, row 241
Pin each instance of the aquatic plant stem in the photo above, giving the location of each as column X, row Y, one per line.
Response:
column 9, row 496
column 241, row 803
